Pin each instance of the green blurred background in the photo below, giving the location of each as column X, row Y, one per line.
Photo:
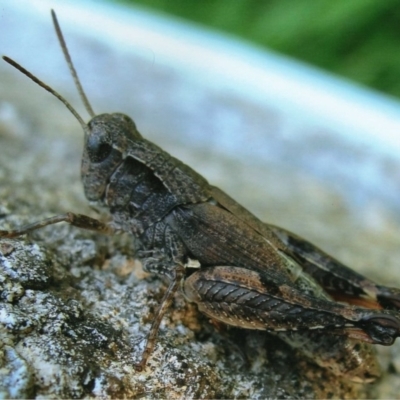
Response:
column 358, row 39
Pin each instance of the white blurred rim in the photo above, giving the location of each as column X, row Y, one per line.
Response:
column 373, row 119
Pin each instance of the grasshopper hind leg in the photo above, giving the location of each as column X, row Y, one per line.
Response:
column 328, row 332
column 341, row 356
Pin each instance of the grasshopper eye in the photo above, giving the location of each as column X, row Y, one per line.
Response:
column 97, row 150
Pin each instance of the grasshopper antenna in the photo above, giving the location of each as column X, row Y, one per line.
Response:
column 71, row 65
column 49, row 89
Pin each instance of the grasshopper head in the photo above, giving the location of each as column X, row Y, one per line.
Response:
column 106, row 142
column 107, row 136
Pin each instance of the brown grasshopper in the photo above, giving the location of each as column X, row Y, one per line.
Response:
column 251, row 275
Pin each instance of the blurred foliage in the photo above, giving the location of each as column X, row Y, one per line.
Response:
column 359, row 39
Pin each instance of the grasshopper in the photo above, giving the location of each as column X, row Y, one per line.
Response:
column 250, row 274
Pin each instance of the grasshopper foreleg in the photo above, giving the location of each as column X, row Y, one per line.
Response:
column 78, row 220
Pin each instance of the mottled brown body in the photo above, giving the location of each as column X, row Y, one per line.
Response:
column 251, row 275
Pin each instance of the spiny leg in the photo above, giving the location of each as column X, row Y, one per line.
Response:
column 340, row 281
column 338, row 354
column 163, row 307
column 322, row 330
column 78, row 220
column 244, row 298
